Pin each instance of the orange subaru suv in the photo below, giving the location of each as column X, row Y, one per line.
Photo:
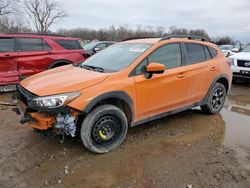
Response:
column 125, row 85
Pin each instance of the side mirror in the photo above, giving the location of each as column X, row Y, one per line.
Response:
column 155, row 68
column 236, row 50
column 97, row 49
column 237, row 46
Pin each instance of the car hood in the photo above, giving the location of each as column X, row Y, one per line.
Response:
column 242, row 55
column 62, row 80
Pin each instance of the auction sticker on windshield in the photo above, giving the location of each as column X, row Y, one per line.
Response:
column 139, row 50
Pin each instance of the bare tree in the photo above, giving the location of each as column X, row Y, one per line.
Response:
column 44, row 13
column 8, row 7
column 224, row 40
column 8, row 25
column 124, row 31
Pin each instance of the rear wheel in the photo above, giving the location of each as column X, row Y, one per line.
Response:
column 216, row 99
column 104, row 129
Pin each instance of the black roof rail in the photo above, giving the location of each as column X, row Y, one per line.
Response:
column 134, row 38
column 190, row 37
column 42, row 34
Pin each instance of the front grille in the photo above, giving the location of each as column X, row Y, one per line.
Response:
column 243, row 63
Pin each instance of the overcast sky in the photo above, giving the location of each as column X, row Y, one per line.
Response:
column 217, row 17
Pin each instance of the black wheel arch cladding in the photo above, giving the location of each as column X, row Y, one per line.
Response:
column 59, row 62
column 217, row 79
column 121, row 95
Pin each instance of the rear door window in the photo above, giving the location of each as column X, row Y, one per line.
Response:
column 7, row 44
column 109, row 44
column 32, row 44
column 195, row 53
column 70, row 44
column 168, row 55
column 208, row 55
column 46, row 46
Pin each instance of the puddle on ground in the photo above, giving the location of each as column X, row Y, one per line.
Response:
column 236, row 114
column 174, row 141
column 237, row 118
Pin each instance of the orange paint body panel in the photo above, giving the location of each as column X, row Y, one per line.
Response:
column 125, row 85
column 41, row 121
column 155, row 67
column 175, row 88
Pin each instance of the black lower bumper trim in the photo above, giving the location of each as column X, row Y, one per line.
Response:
column 239, row 75
column 26, row 118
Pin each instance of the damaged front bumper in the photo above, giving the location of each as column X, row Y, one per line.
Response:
column 63, row 119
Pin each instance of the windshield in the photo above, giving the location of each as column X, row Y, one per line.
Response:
column 90, row 46
column 247, row 49
column 226, row 47
column 116, row 57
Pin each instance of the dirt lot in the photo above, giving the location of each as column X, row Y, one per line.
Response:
column 185, row 150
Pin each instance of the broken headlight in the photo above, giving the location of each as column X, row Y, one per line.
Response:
column 54, row 101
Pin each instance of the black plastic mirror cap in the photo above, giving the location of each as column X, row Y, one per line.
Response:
column 149, row 75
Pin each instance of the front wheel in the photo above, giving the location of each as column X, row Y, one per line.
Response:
column 104, row 129
column 216, row 99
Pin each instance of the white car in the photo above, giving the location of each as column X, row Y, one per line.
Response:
column 241, row 63
column 227, row 50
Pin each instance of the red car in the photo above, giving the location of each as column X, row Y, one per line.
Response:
column 22, row 55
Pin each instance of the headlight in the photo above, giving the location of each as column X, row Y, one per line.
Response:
column 53, row 101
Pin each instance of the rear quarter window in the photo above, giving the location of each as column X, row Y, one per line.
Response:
column 70, row 44
column 33, row 44
column 213, row 52
column 207, row 53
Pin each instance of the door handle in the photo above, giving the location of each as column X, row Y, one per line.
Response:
column 181, row 75
column 7, row 55
column 213, row 68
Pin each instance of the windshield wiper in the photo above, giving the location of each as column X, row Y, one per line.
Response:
column 95, row 68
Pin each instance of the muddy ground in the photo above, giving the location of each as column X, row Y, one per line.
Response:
column 189, row 149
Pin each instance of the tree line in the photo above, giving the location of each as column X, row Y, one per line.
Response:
column 37, row 16
column 124, row 32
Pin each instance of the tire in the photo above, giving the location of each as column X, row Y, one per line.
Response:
column 104, row 129
column 215, row 100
